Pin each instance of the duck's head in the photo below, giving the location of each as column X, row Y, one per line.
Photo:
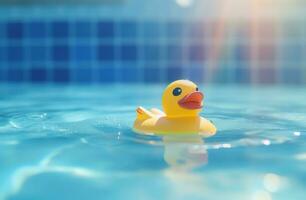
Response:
column 182, row 99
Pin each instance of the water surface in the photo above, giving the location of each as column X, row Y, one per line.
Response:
column 76, row 142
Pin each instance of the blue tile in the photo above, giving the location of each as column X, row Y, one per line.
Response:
column 106, row 52
column 83, row 29
column 221, row 75
column 151, row 30
column 60, row 29
column 2, row 74
column 174, row 73
column 152, row 52
column 83, row 53
column 130, row 74
column 196, row 73
column 83, row 75
column 174, row 52
column 15, row 53
column 61, row 75
column 14, row 30
column 196, row 30
column 128, row 30
column 242, row 75
column 241, row 52
column 2, row 54
column 175, row 30
column 38, row 74
column 196, row 53
column 152, row 74
column 266, row 52
column 105, row 29
column 60, row 53
column 292, row 75
column 128, row 52
column 241, row 64
column 38, row 53
column 293, row 52
column 36, row 30
column 15, row 74
column 242, row 33
column 266, row 75
column 2, row 31
column 106, row 74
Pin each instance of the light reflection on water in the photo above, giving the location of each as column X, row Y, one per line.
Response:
column 80, row 139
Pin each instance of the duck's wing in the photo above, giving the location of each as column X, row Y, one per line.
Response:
column 157, row 111
column 207, row 128
column 143, row 114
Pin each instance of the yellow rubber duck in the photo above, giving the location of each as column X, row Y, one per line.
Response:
column 182, row 102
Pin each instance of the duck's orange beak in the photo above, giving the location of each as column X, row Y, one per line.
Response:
column 192, row 101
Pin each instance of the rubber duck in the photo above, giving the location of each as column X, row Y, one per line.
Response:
column 182, row 103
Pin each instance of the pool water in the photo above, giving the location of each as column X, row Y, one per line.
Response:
column 76, row 142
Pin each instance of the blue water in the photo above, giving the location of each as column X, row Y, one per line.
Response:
column 76, row 142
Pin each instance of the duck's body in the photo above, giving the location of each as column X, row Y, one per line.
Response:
column 180, row 116
column 163, row 125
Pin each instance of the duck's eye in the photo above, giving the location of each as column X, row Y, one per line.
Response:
column 197, row 89
column 177, row 91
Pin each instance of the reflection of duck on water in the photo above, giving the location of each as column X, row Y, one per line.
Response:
column 184, row 152
column 180, row 124
column 182, row 103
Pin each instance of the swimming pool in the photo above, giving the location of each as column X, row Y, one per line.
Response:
column 76, row 142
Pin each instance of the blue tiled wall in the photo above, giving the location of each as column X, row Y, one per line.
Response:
column 106, row 50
